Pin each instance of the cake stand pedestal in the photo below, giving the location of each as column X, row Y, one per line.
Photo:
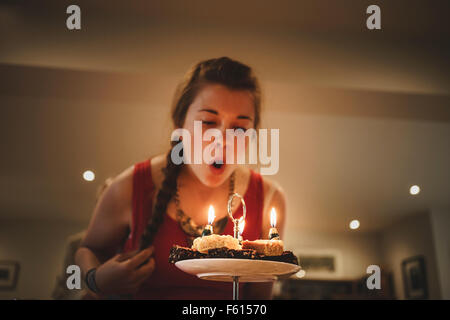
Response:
column 237, row 270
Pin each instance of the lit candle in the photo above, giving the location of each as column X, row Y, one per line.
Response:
column 273, row 232
column 208, row 228
column 241, row 229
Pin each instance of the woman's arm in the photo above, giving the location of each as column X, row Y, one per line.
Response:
column 116, row 273
column 108, row 227
column 263, row 291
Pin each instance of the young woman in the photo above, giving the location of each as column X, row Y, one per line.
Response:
column 156, row 204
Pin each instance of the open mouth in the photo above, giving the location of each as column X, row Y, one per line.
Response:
column 217, row 167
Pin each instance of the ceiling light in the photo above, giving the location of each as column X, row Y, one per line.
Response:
column 354, row 224
column 88, row 175
column 414, row 190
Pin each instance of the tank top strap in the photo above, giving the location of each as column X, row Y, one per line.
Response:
column 256, row 194
column 143, row 189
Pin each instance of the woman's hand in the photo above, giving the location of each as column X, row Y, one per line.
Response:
column 124, row 273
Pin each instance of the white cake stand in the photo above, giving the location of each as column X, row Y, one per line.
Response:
column 237, row 270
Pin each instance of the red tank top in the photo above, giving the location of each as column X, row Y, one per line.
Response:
column 167, row 281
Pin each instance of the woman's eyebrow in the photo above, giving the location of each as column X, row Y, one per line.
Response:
column 216, row 113
column 244, row 117
column 209, row 110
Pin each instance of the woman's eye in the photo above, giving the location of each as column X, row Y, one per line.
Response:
column 208, row 122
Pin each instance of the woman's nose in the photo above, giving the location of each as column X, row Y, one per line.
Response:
column 222, row 126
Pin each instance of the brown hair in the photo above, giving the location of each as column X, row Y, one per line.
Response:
column 225, row 71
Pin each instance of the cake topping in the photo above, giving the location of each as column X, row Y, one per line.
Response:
column 265, row 247
column 213, row 241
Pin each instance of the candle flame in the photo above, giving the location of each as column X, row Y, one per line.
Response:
column 241, row 226
column 273, row 218
column 211, row 215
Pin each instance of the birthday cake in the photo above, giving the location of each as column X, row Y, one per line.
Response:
column 214, row 241
column 265, row 247
column 225, row 246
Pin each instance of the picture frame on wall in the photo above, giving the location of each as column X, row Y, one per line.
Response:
column 415, row 278
column 320, row 264
column 9, row 274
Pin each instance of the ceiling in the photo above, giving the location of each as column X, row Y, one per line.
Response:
column 362, row 115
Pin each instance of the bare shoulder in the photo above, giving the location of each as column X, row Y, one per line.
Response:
column 157, row 164
column 111, row 215
column 272, row 190
column 116, row 197
column 121, row 187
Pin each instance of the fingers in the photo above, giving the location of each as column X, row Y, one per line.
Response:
column 140, row 258
column 145, row 271
column 125, row 256
column 140, row 275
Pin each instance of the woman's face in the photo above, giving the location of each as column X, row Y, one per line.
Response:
column 220, row 108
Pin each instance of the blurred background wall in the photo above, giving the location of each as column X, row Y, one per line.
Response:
column 363, row 115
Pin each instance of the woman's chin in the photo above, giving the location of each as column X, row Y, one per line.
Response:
column 214, row 181
column 213, row 177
